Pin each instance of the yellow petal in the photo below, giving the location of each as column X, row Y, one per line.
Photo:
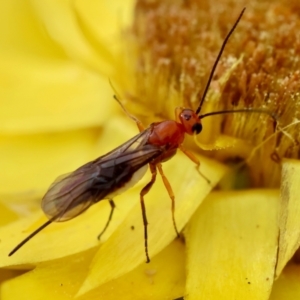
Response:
column 51, row 95
column 228, row 145
column 6, row 214
column 61, row 22
column 124, row 250
column 232, row 246
column 22, row 34
column 32, row 162
column 163, row 278
column 287, row 286
column 103, row 22
column 61, row 278
column 57, row 279
column 289, row 221
column 44, row 84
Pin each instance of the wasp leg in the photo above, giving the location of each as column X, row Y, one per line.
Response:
column 136, row 120
column 193, row 158
column 143, row 192
column 171, row 195
column 113, row 206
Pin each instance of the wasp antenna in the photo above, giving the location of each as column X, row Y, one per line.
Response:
column 244, row 110
column 29, row 237
column 217, row 60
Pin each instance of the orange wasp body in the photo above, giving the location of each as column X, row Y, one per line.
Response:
column 114, row 172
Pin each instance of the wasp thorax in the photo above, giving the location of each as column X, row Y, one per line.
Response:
column 190, row 121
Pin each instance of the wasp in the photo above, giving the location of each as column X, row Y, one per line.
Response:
column 113, row 173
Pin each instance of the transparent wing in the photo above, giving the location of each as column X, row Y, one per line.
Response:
column 69, row 195
column 133, row 144
column 73, row 193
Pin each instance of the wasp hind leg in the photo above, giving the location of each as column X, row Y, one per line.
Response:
column 113, row 206
column 143, row 192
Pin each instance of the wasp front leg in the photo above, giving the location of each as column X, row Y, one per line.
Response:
column 194, row 159
column 136, row 120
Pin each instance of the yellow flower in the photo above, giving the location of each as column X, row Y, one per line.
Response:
column 57, row 113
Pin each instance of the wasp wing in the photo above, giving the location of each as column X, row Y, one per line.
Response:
column 73, row 193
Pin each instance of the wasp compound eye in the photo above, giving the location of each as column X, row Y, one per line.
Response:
column 187, row 117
